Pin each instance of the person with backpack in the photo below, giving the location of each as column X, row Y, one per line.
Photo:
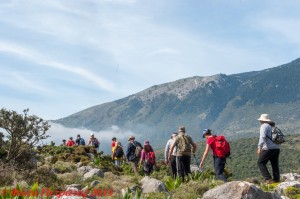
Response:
column 79, row 141
column 94, row 142
column 117, row 153
column 148, row 158
column 70, row 142
column 172, row 162
column 185, row 145
column 267, row 150
column 133, row 153
column 220, row 149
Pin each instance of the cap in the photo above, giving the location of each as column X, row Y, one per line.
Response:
column 131, row 138
column 205, row 131
column 181, row 129
column 92, row 133
column 146, row 142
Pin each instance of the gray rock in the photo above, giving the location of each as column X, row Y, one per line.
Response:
column 79, row 164
column 93, row 172
column 95, row 182
column 152, row 185
column 90, row 155
column 49, row 159
column 282, row 186
column 239, row 190
column 290, row 177
column 76, row 186
column 84, row 169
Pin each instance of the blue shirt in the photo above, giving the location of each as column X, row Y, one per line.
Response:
column 264, row 142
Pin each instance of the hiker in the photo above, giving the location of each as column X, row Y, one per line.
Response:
column 267, row 150
column 94, row 142
column 63, row 143
column 70, row 142
column 147, row 158
column 79, row 141
column 172, row 162
column 183, row 143
column 113, row 141
column 133, row 153
column 220, row 153
column 117, row 153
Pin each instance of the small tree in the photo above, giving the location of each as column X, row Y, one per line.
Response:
column 24, row 132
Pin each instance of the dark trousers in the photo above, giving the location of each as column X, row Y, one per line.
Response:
column 219, row 164
column 271, row 155
column 183, row 166
column 173, row 166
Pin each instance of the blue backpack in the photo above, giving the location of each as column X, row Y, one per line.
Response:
column 81, row 142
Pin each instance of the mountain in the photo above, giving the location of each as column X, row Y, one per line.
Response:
column 228, row 104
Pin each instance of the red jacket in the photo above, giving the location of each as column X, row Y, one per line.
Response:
column 70, row 143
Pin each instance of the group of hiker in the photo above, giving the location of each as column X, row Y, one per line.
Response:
column 136, row 154
column 93, row 141
column 181, row 147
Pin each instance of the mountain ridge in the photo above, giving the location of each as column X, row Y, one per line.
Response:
column 229, row 104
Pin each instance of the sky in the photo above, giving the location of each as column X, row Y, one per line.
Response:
column 58, row 57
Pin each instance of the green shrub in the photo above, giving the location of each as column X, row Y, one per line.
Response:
column 292, row 192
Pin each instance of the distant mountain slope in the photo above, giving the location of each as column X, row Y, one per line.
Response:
column 227, row 104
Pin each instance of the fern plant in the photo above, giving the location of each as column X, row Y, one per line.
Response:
column 172, row 184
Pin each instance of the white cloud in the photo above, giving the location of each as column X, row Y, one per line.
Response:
column 38, row 58
column 59, row 132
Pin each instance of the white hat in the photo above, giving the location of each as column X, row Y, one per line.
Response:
column 265, row 118
column 92, row 134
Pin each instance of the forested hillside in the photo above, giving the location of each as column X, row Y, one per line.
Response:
column 243, row 159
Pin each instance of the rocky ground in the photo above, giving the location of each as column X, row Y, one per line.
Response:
column 79, row 172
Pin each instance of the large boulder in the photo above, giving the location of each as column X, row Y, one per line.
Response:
column 152, row 185
column 238, row 190
column 290, row 177
column 92, row 173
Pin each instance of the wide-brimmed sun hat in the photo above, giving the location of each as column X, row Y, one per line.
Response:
column 264, row 117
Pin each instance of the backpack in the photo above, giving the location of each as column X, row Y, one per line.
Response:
column 138, row 150
column 184, row 144
column 150, row 158
column 81, row 141
column 277, row 136
column 95, row 143
column 118, row 152
column 221, row 146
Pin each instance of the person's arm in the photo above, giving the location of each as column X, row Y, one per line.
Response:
column 262, row 138
column 204, row 155
column 171, row 151
column 167, row 149
column 142, row 157
column 194, row 147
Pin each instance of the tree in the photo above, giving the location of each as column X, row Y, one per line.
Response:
column 23, row 133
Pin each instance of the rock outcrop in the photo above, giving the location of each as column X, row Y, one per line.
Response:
column 239, row 190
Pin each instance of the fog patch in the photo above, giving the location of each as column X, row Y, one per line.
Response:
column 59, row 132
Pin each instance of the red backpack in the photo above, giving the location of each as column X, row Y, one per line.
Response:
column 220, row 146
column 150, row 158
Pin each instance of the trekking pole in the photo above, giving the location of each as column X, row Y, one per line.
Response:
column 197, row 163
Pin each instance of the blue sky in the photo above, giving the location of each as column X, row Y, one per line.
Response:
column 58, row 57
